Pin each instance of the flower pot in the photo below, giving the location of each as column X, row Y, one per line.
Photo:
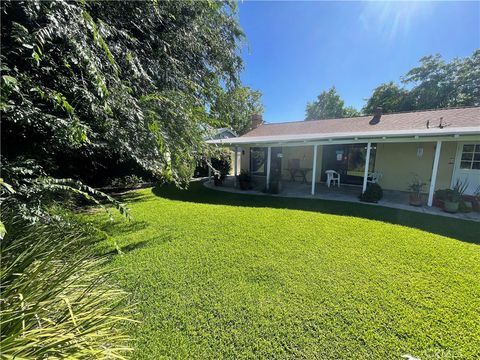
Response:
column 217, row 181
column 465, row 206
column 450, row 206
column 244, row 185
column 416, row 200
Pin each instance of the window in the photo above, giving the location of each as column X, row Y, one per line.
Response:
column 258, row 160
column 470, row 157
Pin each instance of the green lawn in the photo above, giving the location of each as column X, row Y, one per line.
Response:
column 219, row 275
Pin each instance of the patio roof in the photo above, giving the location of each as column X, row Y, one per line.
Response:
column 432, row 123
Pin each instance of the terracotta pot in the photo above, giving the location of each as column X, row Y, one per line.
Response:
column 416, row 200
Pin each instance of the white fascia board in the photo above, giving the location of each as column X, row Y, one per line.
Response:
column 353, row 137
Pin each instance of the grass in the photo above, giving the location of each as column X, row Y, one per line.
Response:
column 219, row 275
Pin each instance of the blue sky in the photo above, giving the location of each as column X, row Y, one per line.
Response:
column 298, row 49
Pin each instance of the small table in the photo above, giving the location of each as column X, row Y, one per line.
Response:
column 300, row 171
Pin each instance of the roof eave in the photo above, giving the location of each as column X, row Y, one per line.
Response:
column 346, row 136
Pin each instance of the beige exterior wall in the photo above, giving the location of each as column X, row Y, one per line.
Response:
column 305, row 155
column 398, row 162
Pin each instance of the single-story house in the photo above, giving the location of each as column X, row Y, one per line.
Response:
column 437, row 146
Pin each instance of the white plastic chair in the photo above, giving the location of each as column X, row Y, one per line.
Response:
column 332, row 177
column 374, row 177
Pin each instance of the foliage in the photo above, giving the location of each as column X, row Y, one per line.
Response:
column 127, row 181
column 246, row 276
column 416, row 185
column 28, row 192
column 327, row 106
column 433, row 84
column 94, row 82
column 244, row 176
column 455, row 194
column 373, row 193
column 222, row 164
column 350, row 111
column 237, row 106
column 57, row 300
column 390, row 97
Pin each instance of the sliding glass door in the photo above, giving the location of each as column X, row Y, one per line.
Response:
column 348, row 160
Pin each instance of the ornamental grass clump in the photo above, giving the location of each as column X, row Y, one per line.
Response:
column 57, row 301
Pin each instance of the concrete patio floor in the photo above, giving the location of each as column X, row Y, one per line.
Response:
column 347, row 193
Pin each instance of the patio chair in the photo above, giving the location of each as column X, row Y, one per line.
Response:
column 332, row 177
column 374, row 177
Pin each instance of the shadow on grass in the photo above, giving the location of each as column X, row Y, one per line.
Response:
column 128, row 248
column 464, row 230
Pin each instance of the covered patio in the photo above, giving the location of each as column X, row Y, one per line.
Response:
column 414, row 153
column 347, row 193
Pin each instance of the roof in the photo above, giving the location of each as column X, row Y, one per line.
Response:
column 219, row 133
column 440, row 122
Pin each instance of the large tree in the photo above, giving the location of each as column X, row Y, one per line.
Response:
column 86, row 84
column 329, row 105
column 390, row 97
column 433, row 84
column 237, row 106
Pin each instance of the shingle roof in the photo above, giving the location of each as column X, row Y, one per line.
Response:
column 451, row 119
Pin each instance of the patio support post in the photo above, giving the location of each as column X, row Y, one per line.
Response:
column 235, row 166
column 436, row 159
column 367, row 162
column 314, row 168
column 269, row 163
column 210, row 172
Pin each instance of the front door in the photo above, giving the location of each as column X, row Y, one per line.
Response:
column 467, row 166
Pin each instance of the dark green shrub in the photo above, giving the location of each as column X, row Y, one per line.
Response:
column 222, row 165
column 373, row 193
column 245, row 180
column 129, row 181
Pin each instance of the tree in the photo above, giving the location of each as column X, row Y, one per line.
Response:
column 327, row 106
column 350, row 111
column 390, row 97
column 89, row 84
column 434, row 84
column 236, row 107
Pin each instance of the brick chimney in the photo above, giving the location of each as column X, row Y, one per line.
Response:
column 257, row 120
column 377, row 114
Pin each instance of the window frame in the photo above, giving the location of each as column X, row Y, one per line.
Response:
column 265, row 155
column 471, row 161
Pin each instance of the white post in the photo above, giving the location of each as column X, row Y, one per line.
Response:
column 269, row 163
column 436, row 159
column 367, row 162
column 314, row 171
column 235, row 166
column 210, row 172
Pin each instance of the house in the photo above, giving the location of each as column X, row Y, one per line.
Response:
column 438, row 146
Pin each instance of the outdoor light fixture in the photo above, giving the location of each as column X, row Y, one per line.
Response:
column 420, row 152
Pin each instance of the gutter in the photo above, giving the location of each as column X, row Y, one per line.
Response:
column 376, row 136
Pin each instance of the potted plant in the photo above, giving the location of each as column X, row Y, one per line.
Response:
column 244, row 179
column 416, row 187
column 373, row 194
column 439, row 197
column 275, row 183
column 476, row 199
column 454, row 197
